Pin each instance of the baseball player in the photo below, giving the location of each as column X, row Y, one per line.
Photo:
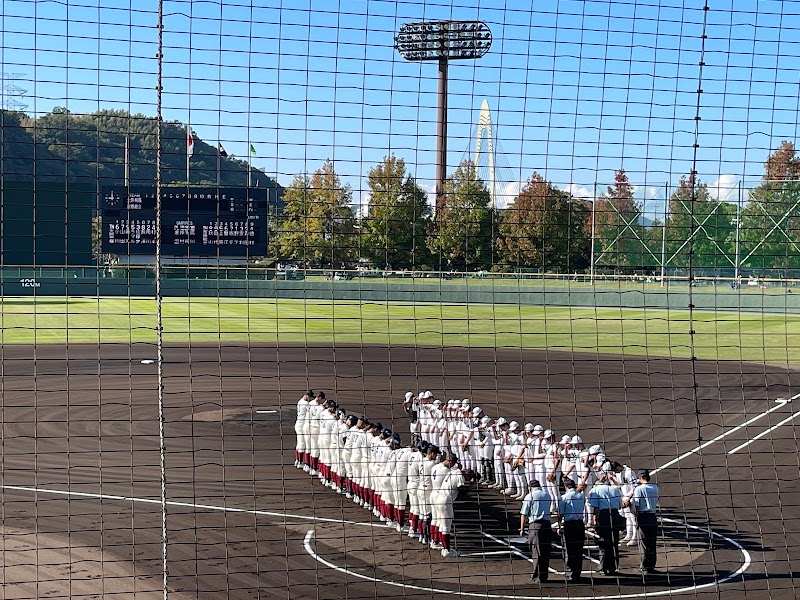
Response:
column 552, row 471
column 485, row 450
column 438, row 473
column 499, row 434
column 397, row 469
column 424, row 493
column 302, row 459
column 414, row 461
column 315, row 409
column 443, row 500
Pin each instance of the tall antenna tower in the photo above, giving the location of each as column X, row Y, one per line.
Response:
column 12, row 96
column 485, row 125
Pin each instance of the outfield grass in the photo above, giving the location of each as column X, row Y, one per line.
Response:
column 745, row 336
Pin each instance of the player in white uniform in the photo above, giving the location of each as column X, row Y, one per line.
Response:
column 499, row 434
column 537, row 455
column 339, row 440
column 448, row 490
column 379, row 456
column 628, row 480
column 397, row 470
column 425, row 468
column 315, row 409
column 470, row 434
column 301, row 456
column 552, row 471
column 438, row 473
column 327, row 421
column 485, row 450
column 414, row 462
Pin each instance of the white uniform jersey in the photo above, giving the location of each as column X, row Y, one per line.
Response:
column 452, row 480
column 438, row 473
column 301, row 422
column 398, row 459
column 413, row 460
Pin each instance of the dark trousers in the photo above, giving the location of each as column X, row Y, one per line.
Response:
column 608, row 542
column 574, row 535
column 648, row 535
column 540, row 538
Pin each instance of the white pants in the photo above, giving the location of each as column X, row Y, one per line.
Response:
column 413, row 500
column 441, row 512
column 302, row 444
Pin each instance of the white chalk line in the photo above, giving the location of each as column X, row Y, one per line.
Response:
column 285, row 515
column 229, row 509
column 667, row 592
column 780, row 404
column 763, row 433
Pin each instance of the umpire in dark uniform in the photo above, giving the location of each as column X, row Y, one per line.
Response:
column 606, row 500
column 645, row 505
column 536, row 510
column 571, row 508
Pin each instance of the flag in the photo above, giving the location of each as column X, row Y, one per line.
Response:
column 252, row 150
column 222, row 152
column 189, row 142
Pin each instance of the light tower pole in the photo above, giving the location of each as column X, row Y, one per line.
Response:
column 442, row 41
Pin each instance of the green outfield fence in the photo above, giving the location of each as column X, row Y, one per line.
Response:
column 710, row 293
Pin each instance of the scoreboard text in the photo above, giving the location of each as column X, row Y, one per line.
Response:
column 195, row 222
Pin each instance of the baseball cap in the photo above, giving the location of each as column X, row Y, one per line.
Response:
column 486, row 420
column 576, row 439
column 409, row 395
column 476, row 411
column 538, row 429
column 565, row 439
column 534, row 483
column 528, row 427
column 595, row 449
column 643, row 473
column 428, row 394
column 501, row 421
column 548, row 433
column 513, row 426
column 568, row 483
column 465, row 402
column 437, row 402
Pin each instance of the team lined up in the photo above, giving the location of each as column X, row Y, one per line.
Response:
column 507, row 456
column 368, row 464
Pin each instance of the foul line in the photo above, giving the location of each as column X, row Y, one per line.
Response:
column 763, row 433
column 781, row 404
column 230, row 509
column 667, row 592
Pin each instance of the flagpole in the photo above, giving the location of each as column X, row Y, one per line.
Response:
column 189, row 150
column 127, row 162
column 219, row 158
column 249, row 159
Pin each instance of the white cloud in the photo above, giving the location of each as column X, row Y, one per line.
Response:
column 579, row 191
column 726, row 189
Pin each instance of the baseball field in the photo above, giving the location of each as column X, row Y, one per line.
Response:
column 81, row 468
column 750, row 337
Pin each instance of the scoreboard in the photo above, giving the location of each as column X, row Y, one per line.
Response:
column 195, row 221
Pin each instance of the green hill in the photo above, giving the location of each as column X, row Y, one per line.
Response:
column 91, row 148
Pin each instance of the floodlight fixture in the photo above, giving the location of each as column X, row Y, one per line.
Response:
column 443, row 41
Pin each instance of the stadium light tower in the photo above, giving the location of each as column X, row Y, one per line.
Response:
column 442, row 41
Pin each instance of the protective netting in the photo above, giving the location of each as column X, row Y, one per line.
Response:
column 399, row 299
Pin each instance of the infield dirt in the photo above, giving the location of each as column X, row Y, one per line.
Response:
column 84, row 419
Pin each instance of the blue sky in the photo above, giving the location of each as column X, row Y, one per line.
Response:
column 577, row 88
